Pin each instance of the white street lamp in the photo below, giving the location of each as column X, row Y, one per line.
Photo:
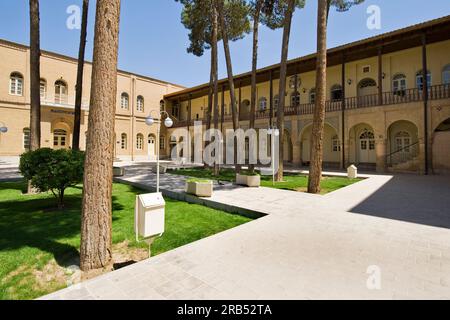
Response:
column 168, row 122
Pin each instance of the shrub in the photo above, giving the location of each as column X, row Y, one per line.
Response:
column 53, row 170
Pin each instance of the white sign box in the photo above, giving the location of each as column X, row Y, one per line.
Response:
column 149, row 214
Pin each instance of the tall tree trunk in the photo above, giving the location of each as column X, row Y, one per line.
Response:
column 95, row 249
column 35, row 77
column 226, row 47
column 256, row 16
column 282, row 89
column 216, row 88
column 315, row 167
column 79, row 86
column 214, row 58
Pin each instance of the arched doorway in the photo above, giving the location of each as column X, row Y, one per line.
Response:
column 402, row 144
column 151, row 143
column 60, row 139
column 366, row 147
column 367, row 92
column 441, row 148
column 362, row 146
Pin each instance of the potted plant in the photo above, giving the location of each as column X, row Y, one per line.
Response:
column 248, row 179
column 199, row 187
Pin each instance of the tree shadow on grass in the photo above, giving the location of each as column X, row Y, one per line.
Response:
column 38, row 223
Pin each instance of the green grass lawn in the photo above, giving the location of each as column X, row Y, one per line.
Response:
column 294, row 182
column 33, row 233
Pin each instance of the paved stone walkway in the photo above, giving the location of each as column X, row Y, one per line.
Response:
column 306, row 247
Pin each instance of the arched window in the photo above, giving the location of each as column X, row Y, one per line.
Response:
column 295, row 99
column 43, row 88
column 335, row 145
column 60, row 92
column 399, row 84
column 140, row 104
column 162, row 142
column 26, row 139
column 446, row 74
column 336, row 92
column 123, row 141
column 124, row 101
column 262, row 104
column 139, row 142
column 16, row 84
column 312, row 95
column 419, row 79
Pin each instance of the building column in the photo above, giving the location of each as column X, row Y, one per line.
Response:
column 271, row 98
column 296, row 159
column 380, row 151
column 189, row 116
column 425, row 101
column 380, row 76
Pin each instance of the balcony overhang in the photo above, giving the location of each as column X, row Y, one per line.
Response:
column 435, row 31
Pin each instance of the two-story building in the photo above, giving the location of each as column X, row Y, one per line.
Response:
column 137, row 96
column 388, row 102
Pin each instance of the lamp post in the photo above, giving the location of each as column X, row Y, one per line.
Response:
column 273, row 131
column 168, row 122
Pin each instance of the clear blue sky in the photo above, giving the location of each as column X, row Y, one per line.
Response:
column 153, row 42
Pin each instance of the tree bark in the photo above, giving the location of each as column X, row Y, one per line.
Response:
column 315, row 167
column 215, row 77
column 256, row 16
column 226, row 47
column 282, row 89
column 35, row 77
column 80, row 71
column 96, row 243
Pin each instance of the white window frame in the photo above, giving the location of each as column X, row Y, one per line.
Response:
column 139, row 141
column 43, row 89
column 140, row 104
column 16, row 84
column 419, row 75
column 399, row 83
column 26, row 135
column 124, row 101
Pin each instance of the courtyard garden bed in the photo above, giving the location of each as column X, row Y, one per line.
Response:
column 292, row 182
column 38, row 241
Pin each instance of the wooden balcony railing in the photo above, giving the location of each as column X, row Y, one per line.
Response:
column 436, row 92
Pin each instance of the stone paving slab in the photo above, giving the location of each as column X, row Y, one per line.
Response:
column 306, row 247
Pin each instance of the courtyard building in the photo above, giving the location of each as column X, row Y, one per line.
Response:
column 388, row 103
column 383, row 111
column 137, row 95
